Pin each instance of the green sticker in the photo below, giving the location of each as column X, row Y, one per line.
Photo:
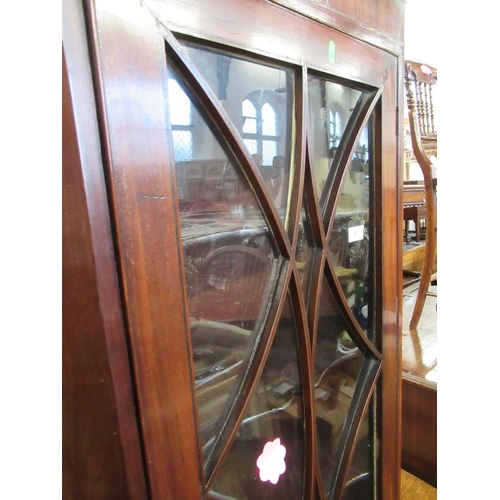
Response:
column 331, row 51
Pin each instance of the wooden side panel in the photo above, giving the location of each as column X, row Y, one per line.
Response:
column 131, row 72
column 419, row 444
column 379, row 23
column 101, row 453
column 389, row 279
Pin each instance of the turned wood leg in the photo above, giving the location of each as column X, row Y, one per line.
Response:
column 430, row 252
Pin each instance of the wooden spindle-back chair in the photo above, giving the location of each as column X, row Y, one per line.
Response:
column 420, row 81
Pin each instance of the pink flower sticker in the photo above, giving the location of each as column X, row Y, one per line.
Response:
column 271, row 462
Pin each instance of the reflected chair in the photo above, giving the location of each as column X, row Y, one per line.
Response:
column 235, row 280
column 420, row 81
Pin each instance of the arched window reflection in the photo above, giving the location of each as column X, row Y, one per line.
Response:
column 260, row 126
column 181, row 120
column 249, row 117
column 362, row 148
column 336, row 126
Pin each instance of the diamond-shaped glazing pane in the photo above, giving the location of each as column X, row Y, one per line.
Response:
column 349, row 242
column 305, row 251
column 258, row 99
column 359, row 484
column 331, row 106
column 337, row 365
column 266, row 459
column 231, row 269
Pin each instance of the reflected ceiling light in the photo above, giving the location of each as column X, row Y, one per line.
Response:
column 271, row 462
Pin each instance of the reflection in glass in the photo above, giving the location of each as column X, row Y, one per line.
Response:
column 269, row 121
column 249, row 118
column 258, row 99
column 330, row 108
column 180, row 119
column 336, row 368
column 275, row 412
column 360, row 477
column 349, row 241
column 305, row 250
column 231, row 268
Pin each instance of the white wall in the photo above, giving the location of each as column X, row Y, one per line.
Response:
column 421, row 44
column 422, row 31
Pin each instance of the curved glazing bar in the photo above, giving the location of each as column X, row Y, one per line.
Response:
column 258, row 99
column 267, row 457
column 337, row 365
column 305, row 251
column 349, row 239
column 230, row 258
column 359, row 482
column 331, row 106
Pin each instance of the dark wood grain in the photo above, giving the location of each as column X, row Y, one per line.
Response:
column 101, row 452
column 130, row 58
column 388, row 279
column 367, row 21
column 419, row 443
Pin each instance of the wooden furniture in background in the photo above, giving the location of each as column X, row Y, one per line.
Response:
column 414, row 208
column 419, row 81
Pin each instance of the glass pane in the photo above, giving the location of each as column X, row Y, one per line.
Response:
column 268, row 120
column 180, row 107
column 337, row 364
column 305, row 250
column 251, row 144
column 266, row 459
column 183, row 144
column 248, row 89
column 330, row 108
column 231, row 268
column 349, row 242
column 249, row 125
column 269, row 152
column 249, row 117
column 360, row 477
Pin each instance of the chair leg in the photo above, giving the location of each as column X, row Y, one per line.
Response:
column 430, row 252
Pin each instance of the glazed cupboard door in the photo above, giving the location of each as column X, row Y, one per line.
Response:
column 251, row 157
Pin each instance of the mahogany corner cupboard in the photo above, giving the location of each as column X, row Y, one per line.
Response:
column 231, row 249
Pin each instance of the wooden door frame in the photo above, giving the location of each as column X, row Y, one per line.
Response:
column 102, row 451
column 142, row 199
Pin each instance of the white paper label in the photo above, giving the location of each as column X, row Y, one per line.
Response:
column 356, row 233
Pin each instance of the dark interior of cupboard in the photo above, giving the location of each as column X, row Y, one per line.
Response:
column 250, row 251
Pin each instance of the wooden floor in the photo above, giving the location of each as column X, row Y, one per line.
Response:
column 420, row 346
column 413, row 488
